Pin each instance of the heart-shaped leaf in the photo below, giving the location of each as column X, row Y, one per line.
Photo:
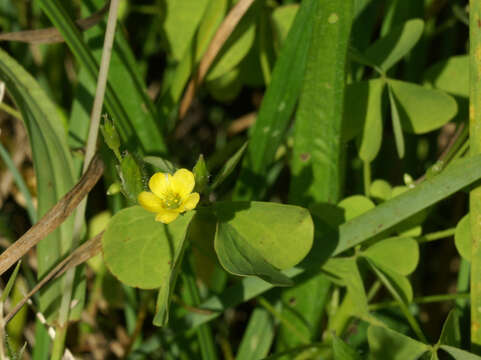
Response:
column 441, row 75
column 386, row 253
column 141, row 252
column 422, row 110
column 388, row 50
column 355, row 205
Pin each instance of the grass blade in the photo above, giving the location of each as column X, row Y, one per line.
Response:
column 53, row 169
column 475, row 150
column 151, row 139
column 278, row 104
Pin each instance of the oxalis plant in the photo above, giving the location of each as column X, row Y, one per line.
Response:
column 300, row 180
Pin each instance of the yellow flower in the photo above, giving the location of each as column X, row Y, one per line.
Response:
column 170, row 196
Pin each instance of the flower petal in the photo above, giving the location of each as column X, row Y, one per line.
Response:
column 166, row 216
column 150, row 202
column 183, row 182
column 191, row 201
column 160, row 183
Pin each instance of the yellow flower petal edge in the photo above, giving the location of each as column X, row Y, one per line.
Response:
column 170, row 195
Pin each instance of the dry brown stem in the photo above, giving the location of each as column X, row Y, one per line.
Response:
column 219, row 39
column 52, row 35
column 54, row 217
column 84, row 252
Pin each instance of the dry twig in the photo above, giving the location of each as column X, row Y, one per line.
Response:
column 219, row 39
column 52, row 35
column 54, row 217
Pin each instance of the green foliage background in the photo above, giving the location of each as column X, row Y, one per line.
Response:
column 331, row 146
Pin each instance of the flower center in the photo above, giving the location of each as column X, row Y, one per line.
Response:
column 171, row 200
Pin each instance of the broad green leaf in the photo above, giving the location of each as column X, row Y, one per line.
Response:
column 342, row 351
column 53, row 170
column 228, row 167
column 315, row 162
column 451, row 333
column 355, row 205
column 237, row 45
column 345, row 271
column 282, row 19
column 182, row 17
column 239, row 257
column 141, row 252
column 255, row 238
column 258, row 336
column 277, row 105
column 398, row 285
column 386, row 253
column 441, row 75
column 462, row 238
column 130, row 178
column 270, row 228
column 381, row 219
column 380, row 190
column 422, row 110
column 391, row 48
column 459, row 354
column 385, row 343
column 396, row 125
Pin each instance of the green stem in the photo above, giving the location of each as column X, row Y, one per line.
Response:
column 10, row 110
column 475, row 146
column 367, row 177
column 437, row 235
column 420, row 300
